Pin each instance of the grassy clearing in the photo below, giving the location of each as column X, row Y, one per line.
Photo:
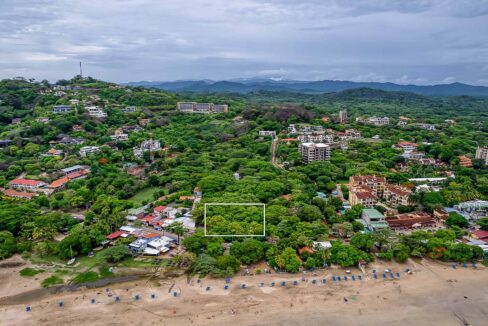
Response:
column 52, row 280
column 29, row 272
column 90, row 276
column 143, row 195
column 105, row 272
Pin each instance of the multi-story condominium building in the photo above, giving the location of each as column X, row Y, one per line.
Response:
column 465, row 161
column 343, row 116
column 397, row 195
column 314, row 152
column 194, row 107
column 482, row 154
column 362, row 195
column 376, row 184
column 62, row 109
column 403, row 121
column 86, row 150
column 267, row 133
column 26, row 184
column 425, row 126
column 375, row 121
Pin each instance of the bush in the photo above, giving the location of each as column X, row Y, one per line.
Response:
column 52, row 280
column 86, row 277
column 115, row 254
column 29, row 272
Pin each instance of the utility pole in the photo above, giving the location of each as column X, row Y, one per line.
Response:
column 81, row 71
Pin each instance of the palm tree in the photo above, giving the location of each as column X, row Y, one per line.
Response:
column 178, row 229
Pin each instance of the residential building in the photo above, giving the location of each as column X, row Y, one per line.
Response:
column 53, row 152
column 362, row 195
column 86, row 150
column 128, row 109
column 74, row 168
column 42, row 119
column 77, row 128
column 426, row 126
column 375, row 183
column 62, row 109
column 119, row 135
column 194, row 107
column 374, row 219
column 406, row 146
column 343, row 116
column 96, row 112
column 482, row 154
column 62, row 182
column 410, row 221
column 147, row 145
column 375, row 121
column 316, row 138
column 26, row 184
column 465, row 161
column 19, row 194
column 67, row 140
column 267, row 133
column 403, row 121
column 314, row 152
column 304, row 128
column 395, row 195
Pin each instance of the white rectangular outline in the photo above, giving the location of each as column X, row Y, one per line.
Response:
column 233, row 235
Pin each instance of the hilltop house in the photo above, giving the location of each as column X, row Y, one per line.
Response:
column 86, row 150
column 26, row 184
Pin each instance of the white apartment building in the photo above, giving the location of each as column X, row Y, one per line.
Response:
column 314, row 152
column 86, row 150
column 96, row 112
column 267, row 133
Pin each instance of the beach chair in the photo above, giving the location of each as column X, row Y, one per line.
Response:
column 283, row 283
column 207, row 288
column 398, row 275
column 93, row 301
column 374, row 271
column 261, row 284
column 243, row 286
column 353, row 278
column 136, row 297
column 314, row 281
column 384, row 275
column 117, row 299
column 338, row 278
column 474, row 265
column 375, row 276
column 324, row 281
column 227, row 280
column 295, row 282
column 392, row 275
column 272, row 284
column 333, row 278
column 199, row 280
column 61, row 303
column 407, row 270
column 360, row 277
column 175, row 294
column 28, row 309
column 226, row 287
column 453, row 266
column 345, row 278
column 153, row 296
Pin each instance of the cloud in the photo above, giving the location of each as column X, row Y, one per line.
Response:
column 418, row 41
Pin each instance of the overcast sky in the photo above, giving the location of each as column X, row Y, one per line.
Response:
column 402, row 41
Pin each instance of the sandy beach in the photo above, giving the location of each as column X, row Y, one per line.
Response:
column 435, row 294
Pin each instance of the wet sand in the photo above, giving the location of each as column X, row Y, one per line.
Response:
column 435, row 294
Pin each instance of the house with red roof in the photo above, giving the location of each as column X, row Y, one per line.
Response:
column 62, row 182
column 19, row 194
column 26, row 184
column 480, row 235
column 158, row 210
column 115, row 235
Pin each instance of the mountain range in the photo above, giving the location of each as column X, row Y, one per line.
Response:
column 324, row 86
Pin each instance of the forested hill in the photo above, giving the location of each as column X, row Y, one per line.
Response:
column 324, row 86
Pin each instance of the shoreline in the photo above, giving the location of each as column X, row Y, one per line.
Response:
column 434, row 294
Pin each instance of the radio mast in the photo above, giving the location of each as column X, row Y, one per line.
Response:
column 81, row 71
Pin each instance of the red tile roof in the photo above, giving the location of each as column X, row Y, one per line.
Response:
column 115, row 235
column 159, row 209
column 25, row 182
column 151, row 235
column 480, row 234
column 67, row 178
column 19, row 194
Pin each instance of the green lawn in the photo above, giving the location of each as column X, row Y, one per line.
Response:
column 29, row 272
column 52, row 280
column 143, row 195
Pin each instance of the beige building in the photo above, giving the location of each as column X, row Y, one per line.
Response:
column 397, row 195
column 482, row 154
column 314, row 152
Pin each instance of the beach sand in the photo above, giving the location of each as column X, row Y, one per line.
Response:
column 435, row 294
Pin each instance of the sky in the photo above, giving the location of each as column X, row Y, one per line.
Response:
column 402, row 41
